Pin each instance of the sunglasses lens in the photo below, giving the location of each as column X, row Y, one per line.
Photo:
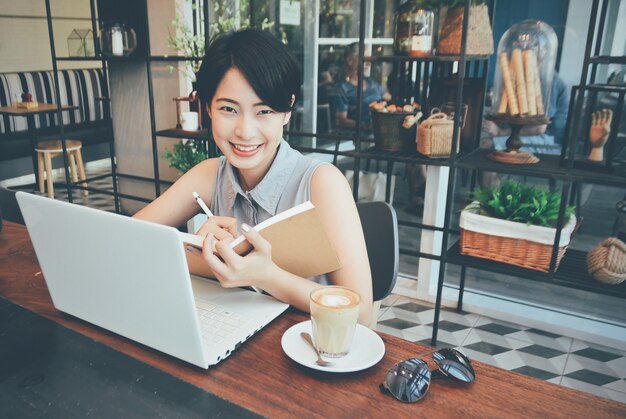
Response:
column 454, row 363
column 408, row 380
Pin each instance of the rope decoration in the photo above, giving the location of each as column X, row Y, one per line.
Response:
column 607, row 261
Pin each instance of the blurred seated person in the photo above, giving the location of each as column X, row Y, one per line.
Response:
column 541, row 135
column 346, row 94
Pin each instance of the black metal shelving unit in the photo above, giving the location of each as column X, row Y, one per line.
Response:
column 69, row 185
column 572, row 271
column 468, row 68
column 142, row 56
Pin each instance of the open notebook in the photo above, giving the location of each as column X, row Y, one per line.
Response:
column 299, row 243
column 131, row 277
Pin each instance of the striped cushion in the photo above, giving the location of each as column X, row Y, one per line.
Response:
column 77, row 87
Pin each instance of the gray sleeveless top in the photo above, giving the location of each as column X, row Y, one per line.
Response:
column 286, row 184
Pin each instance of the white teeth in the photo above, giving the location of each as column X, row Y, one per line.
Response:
column 245, row 148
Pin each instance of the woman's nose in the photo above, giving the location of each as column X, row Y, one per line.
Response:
column 245, row 128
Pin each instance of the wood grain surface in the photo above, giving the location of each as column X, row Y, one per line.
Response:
column 260, row 377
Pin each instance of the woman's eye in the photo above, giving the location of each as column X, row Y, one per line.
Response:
column 228, row 109
column 266, row 112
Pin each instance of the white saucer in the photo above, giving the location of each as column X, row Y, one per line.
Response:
column 367, row 349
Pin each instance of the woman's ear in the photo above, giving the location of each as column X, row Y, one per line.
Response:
column 288, row 114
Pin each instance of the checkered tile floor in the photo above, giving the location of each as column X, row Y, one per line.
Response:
column 558, row 359
column 93, row 199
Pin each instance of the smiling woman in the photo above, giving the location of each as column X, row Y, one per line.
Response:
column 249, row 81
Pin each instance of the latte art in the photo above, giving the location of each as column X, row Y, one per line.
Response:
column 334, row 300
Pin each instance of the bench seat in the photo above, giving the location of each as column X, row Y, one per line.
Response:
column 79, row 87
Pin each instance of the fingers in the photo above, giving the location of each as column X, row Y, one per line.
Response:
column 229, row 225
column 607, row 115
column 220, row 227
column 255, row 239
column 208, row 254
column 602, row 117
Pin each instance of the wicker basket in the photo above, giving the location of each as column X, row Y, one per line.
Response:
column 515, row 250
column 389, row 135
column 434, row 136
column 479, row 34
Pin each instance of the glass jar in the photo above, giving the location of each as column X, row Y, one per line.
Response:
column 414, row 30
column 117, row 40
column 525, row 70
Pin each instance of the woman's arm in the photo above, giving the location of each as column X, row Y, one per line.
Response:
column 335, row 205
column 332, row 197
column 177, row 205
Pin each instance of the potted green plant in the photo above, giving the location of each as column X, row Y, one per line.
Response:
column 186, row 154
column 479, row 33
column 515, row 223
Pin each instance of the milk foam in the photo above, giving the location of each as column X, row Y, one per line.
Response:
column 335, row 300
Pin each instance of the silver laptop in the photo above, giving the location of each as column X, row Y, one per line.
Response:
column 131, row 277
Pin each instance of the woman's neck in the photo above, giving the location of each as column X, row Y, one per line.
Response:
column 250, row 178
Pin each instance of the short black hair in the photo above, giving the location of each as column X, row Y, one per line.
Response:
column 266, row 63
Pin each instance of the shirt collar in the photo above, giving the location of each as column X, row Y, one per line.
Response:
column 268, row 192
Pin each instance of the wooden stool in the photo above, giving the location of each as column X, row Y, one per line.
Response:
column 47, row 150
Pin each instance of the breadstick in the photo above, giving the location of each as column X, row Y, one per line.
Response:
column 520, row 84
column 508, row 83
column 538, row 95
column 529, row 72
column 503, row 102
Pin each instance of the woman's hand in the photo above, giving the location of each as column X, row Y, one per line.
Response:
column 221, row 228
column 233, row 270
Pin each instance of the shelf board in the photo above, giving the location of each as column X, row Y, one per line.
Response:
column 434, row 58
column 203, row 134
column 94, row 58
column 548, row 165
column 572, row 272
column 616, row 88
column 602, row 175
column 405, row 156
column 173, row 58
column 608, row 59
column 163, row 58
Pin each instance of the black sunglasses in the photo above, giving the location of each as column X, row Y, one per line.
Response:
column 409, row 380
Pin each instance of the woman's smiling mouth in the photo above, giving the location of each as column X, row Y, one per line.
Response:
column 245, row 150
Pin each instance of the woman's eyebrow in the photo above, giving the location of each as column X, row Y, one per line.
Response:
column 225, row 99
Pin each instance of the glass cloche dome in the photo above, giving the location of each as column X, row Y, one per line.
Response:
column 524, row 70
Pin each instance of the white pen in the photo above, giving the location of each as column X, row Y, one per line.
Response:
column 200, row 202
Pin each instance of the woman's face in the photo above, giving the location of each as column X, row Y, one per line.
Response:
column 247, row 130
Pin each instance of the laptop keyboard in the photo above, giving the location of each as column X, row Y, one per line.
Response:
column 217, row 323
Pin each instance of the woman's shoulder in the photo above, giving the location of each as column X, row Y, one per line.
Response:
column 326, row 173
column 205, row 169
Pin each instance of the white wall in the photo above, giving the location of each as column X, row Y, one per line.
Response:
column 24, row 42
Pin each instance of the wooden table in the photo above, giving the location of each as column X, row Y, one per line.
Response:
column 42, row 108
column 261, row 378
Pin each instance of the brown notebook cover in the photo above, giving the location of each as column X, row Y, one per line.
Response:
column 299, row 244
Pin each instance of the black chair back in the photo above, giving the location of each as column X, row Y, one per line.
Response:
column 380, row 227
column 9, row 208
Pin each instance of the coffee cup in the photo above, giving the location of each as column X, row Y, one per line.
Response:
column 334, row 315
column 189, row 121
